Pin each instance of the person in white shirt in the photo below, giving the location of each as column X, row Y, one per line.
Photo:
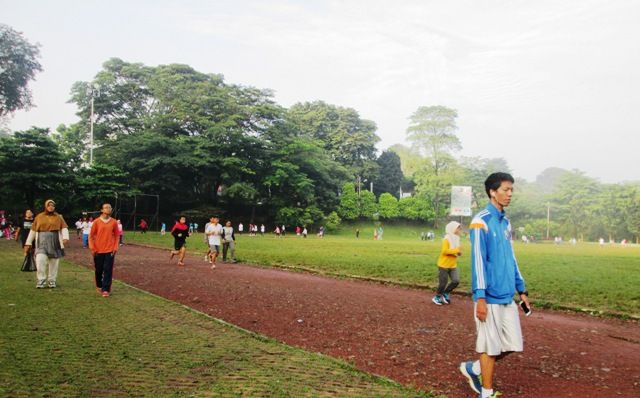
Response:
column 214, row 235
column 86, row 229
column 79, row 228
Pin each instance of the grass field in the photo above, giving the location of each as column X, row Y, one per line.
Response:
column 69, row 341
column 582, row 277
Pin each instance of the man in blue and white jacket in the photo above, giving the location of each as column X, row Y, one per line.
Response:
column 495, row 278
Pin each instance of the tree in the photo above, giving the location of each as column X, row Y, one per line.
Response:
column 630, row 202
column 349, row 139
column 432, row 131
column 98, row 183
column 368, row 205
column 332, row 221
column 390, row 175
column 32, row 167
column 550, row 178
column 18, row 65
column 72, row 141
column 301, row 174
column 415, row 208
column 574, row 199
column 349, row 208
column 436, row 188
column 477, row 169
column 185, row 135
column 388, row 206
column 410, row 159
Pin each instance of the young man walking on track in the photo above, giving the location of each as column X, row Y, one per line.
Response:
column 214, row 235
column 495, row 278
column 104, row 242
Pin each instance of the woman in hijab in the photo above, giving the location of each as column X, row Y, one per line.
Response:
column 180, row 232
column 49, row 231
column 448, row 263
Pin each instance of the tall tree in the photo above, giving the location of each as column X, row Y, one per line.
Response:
column 390, row 175
column 432, row 131
column 18, row 65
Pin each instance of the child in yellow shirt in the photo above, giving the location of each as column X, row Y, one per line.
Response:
column 448, row 263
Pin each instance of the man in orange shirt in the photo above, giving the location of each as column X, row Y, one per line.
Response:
column 103, row 242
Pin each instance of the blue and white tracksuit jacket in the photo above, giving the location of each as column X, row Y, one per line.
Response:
column 494, row 270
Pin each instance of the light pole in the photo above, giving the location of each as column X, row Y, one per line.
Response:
column 548, row 218
column 93, row 91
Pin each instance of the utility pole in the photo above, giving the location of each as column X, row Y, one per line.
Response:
column 93, row 91
column 548, row 218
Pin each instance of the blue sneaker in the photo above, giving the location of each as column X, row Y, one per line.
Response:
column 475, row 381
column 437, row 300
column 445, row 298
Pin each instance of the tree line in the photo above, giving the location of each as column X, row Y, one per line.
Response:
column 206, row 146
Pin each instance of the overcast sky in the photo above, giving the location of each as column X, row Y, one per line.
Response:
column 539, row 83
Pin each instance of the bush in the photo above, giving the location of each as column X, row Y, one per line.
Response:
column 332, row 221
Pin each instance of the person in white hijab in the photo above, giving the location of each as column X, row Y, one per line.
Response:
column 448, row 264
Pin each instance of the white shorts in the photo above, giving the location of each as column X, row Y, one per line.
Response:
column 501, row 331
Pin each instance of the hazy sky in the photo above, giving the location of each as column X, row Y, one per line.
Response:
column 540, row 83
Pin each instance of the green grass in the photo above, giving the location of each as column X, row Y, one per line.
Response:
column 69, row 341
column 582, row 277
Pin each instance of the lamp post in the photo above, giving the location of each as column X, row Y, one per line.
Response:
column 93, row 91
column 548, row 218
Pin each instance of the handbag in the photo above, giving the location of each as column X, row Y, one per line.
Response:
column 28, row 264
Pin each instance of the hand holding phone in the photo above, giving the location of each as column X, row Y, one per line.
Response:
column 525, row 308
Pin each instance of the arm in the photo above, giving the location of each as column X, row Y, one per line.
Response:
column 478, row 261
column 519, row 281
column 29, row 242
column 447, row 250
column 116, row 240
column 92, row 234
column 65, row 235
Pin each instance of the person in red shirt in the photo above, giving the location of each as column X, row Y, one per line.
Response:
column 143, row 226
column 103, row 242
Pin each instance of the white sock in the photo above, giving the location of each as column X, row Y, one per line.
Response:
column 486, row 393
column 476, row 367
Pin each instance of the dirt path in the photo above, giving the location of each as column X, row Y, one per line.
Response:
column 393, row 331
